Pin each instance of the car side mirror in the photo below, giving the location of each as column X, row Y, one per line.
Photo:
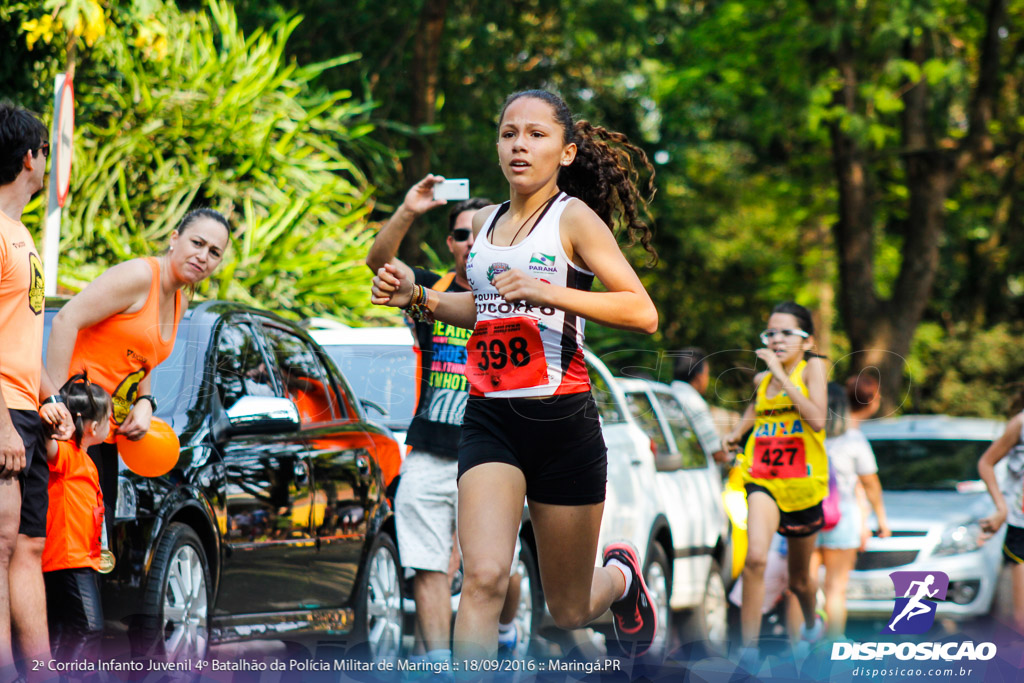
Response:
column 262, row 415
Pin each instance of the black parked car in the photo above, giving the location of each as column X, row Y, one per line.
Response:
column 274, row 520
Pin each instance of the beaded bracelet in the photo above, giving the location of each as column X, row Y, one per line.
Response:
column 417, row 308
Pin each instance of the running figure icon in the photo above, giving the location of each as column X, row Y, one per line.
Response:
column 914, row 606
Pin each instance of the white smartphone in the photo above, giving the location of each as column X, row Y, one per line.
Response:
column 453, row 189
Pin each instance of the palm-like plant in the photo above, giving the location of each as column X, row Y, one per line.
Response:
column 203, row 115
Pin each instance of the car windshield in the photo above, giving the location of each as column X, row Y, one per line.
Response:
column 927, row 464
column 385, row 375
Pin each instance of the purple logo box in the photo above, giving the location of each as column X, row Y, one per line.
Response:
column 916, row 592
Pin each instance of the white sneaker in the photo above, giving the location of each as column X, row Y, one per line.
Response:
column 507, row 642
column 808, row 637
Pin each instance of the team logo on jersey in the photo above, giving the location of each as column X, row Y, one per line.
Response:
column 496, row 268
column 36, row 296
column 124, row 396
column 914, row 612
column 542, row 263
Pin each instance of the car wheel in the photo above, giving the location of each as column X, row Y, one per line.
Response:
column 379, row 615
column 708, row 623
column 176, row 603
column 531, row 603
column 656, row 576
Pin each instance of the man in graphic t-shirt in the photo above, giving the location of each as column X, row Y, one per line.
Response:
column 426, row 502
column 24, row 386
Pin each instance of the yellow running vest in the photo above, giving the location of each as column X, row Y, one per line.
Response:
column 784, row 455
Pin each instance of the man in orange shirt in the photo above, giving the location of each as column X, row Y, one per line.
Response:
column 24, row 387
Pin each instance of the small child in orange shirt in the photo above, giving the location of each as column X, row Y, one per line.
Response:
column 74, row 525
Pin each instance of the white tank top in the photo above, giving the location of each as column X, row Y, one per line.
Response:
column 542, row 256
column 1013, row 486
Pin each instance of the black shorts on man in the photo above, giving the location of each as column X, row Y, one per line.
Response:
column 35, row 478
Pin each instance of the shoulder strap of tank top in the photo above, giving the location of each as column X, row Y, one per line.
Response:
column 154, row 282
column 489, row 229
column 445, row 282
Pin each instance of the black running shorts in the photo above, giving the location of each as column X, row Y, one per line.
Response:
column 34, row 479
column 1013, row 546
column 555, row 441
column 799, row 522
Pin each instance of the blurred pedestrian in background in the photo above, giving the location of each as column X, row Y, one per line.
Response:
column 1009, row 499
column 852, row 462
column 692, row 375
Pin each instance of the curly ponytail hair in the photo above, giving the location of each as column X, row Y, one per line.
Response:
column 604, row 175
column 87, row 402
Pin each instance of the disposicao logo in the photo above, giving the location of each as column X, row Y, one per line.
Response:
column 915, row 611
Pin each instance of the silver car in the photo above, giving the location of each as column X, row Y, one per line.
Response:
column 934, row 500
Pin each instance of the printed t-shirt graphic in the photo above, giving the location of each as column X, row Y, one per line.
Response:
column 21, row 308
column 437, row 425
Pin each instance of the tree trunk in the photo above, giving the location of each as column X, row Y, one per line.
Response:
column 424, row 80
column 881, row 332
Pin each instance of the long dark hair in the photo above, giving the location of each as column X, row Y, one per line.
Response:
column 1017, row 401
column 803, row 316
column 838, row 410
column 87, row 402
column 603, row 175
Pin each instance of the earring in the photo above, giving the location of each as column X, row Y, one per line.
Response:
column 171, row 249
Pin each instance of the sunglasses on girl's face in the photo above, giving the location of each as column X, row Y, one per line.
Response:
column 45, row 147
column 461, row 234
column 768, row 335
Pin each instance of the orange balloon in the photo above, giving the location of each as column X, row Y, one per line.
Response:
column 153, row 455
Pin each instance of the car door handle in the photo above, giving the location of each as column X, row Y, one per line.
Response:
column 636, row 462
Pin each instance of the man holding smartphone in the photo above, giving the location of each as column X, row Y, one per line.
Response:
column 427, row 498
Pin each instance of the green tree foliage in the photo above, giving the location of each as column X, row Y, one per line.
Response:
column 201, row 114
column 963, row 370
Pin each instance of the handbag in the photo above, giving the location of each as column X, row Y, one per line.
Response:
column 830, row 506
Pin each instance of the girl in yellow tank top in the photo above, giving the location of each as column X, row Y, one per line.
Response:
column 784, row 455
column 784, row 466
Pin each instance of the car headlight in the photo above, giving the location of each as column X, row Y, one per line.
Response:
column 957, row 539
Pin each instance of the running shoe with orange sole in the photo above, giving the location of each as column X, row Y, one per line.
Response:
column 635, row 619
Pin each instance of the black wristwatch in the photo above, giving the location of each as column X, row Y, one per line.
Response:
column 148, row 397
column 57, row 398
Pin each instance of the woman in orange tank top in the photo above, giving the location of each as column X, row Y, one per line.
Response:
column 123, row 324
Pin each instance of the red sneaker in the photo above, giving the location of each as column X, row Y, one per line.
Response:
column 636, row 621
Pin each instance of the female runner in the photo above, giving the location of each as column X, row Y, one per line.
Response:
column 785, row 470
column 531, row 426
